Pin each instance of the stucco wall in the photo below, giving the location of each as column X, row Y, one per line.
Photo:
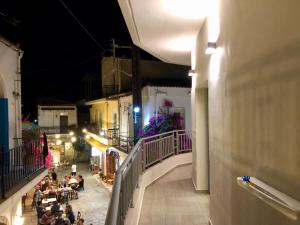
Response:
column 126, row 117
column 254, row 107
column 102, row 113
column 9, row 58
column 51, row 118
column 179, row 96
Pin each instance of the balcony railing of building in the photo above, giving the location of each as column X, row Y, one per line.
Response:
column 58, row 129
column 147, row 152
column 19, row 164
column 126, row 142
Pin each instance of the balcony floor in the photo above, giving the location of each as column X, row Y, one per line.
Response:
column 173, row 200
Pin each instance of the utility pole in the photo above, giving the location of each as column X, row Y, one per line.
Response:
column 136, row 91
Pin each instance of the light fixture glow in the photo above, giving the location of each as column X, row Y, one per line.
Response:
column 57, row 136
column 211, row 48
column 102, row 133
column 73, row 139
column 84, row 130
column 191, row 73
column 186, row 9
column 87, row 136
column 58, row 142
column 181, row 44
column 136, row 109
column 71, row 133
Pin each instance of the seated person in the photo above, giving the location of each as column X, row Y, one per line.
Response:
column 55, row 209
column 81, row 182
column 70, row 214
column 40, row 210
column 81, row 222
column 54, row 175
column 59, row 220
column 64, row 182
column 47, row 218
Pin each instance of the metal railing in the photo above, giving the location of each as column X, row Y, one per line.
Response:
column 145, row 153
column 18, row 164
column 126, row 143
column 57, row 130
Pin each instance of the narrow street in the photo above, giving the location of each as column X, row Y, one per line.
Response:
column 92, row 202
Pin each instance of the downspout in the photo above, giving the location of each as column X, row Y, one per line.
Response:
column 17, row 94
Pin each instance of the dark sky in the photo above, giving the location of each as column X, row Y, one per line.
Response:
column 57, row 51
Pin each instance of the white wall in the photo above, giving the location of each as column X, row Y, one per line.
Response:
column 11, row 207
column 51, row 118
column 126, row 118
column 180, row 97
column 9, row 83
column 253, row 85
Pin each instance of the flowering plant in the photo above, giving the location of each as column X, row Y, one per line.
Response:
column 163, row 122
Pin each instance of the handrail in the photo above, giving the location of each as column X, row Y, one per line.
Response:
column 273, row 197
column 127, row 176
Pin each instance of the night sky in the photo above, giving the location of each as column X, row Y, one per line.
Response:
column 57, row 51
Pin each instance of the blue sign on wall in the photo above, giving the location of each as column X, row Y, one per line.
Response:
column 4, row 143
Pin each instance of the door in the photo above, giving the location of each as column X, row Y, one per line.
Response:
column 63, row 123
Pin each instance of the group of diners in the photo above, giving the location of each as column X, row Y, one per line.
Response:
column 50, row 195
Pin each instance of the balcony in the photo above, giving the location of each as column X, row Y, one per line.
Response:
column 150, row 158
column 19, row 166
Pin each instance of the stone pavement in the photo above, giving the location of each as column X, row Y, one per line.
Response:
column 92, row 202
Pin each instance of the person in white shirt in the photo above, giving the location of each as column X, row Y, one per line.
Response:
column 74, row 167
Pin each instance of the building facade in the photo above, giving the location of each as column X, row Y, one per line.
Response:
column 245, row 90
column 57, row 117
column 10, row 94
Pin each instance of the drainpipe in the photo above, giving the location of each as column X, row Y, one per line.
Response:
column 17, row 94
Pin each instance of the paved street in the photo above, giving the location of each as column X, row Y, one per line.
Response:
column 92, row 203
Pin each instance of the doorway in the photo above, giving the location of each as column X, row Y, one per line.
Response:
column 63, row 124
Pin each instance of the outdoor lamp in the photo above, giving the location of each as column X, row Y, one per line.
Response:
column 191, row 73
column 136, row 109
column 71, row 133
column 84, row 130
column 58, row 142
column 102, row 133
column 211, row 48
column 87, row 136
column 57, row 136
column 73, row 139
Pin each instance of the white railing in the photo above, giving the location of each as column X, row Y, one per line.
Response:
column 147, row 152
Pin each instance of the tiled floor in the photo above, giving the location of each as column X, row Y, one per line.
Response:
column 172, row 200
column 92, row 203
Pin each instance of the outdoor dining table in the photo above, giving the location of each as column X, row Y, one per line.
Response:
column 61, row 209
column 49, row 200
column 73, row 181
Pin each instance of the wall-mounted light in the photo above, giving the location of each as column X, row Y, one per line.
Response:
column 211, row 48
column 191, row 73
column 136, row 110
column 57, row 136
column 84, row 130
column 71, row 133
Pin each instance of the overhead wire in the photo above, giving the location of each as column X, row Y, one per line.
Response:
column 82, row 26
